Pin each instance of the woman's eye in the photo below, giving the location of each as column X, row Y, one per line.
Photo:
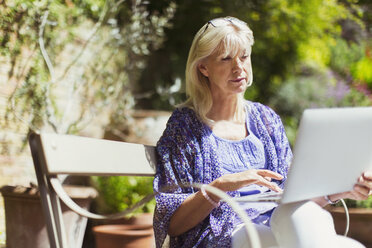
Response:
column 226, row 58
column 245, row 56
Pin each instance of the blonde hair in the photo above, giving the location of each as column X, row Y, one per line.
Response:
column 228, row 36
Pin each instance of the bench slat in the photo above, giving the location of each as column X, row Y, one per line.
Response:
column 68, row 154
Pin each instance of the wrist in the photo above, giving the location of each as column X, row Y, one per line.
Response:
column 331, row 200
column 211, row 199
column 215, row 184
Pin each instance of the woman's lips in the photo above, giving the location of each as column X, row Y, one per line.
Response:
column 237, row 80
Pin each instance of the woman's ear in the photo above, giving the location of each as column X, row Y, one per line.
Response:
column 203, row 69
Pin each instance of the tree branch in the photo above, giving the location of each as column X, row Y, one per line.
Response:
column 49, row 108
column 42, row 46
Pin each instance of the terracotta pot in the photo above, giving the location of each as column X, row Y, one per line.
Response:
column 360, row 223
column 124, row 236
column 138, row 219
column 25, row 225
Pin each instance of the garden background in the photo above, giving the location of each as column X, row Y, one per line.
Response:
column 84, row 67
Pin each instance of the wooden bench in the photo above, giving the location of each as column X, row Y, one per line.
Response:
column 55, row 155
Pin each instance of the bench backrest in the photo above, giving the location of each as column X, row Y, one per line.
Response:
column 75, row 155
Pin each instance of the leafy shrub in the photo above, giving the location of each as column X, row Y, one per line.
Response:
column 117, row 193
column 313, row 89
column 344, row 55
column 362, row 71
column 358, row 204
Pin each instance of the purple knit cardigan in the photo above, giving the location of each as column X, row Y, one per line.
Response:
column 187, row 155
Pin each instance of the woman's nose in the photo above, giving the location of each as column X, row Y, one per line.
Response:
column 237, row 65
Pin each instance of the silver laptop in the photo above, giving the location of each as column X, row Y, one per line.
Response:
column 333, row 147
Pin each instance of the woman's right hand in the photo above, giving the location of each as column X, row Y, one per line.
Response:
column 196, row 207
column 235, row 181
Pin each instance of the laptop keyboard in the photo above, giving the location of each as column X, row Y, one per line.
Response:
column 269, row 196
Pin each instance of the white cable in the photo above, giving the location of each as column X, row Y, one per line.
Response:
column 63, row 196
column 347, row 217
column 249, row 227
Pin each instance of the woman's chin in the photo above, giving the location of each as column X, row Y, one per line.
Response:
column 239, row 87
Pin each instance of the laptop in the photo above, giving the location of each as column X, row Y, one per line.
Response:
column 333, row 147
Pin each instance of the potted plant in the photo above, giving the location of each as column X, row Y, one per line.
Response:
column 117, row 193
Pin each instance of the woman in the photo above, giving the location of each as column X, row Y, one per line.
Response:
column 218, row 138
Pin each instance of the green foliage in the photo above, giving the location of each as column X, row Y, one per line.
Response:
column 286, row 33
column 117, row 193
column 313, row 88
column 31, row 94
column 358, row 204
column 90, row 8
column 75, row 55
column 352, row 60
column 362, row 71
column 344, row 55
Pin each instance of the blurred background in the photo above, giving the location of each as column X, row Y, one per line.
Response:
column 99, row 68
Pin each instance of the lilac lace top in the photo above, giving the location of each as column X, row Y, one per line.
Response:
column 241, row 155
column 187, row 153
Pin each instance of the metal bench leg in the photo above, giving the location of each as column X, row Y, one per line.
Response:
column 50, row 206
column 58, row 218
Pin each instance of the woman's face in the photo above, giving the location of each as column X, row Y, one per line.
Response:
column 228, row 74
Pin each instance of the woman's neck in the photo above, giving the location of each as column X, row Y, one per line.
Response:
column 223, row 109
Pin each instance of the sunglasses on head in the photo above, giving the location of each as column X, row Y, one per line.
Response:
column 232, row 20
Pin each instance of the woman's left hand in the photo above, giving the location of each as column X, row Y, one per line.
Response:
column 363, row 188
column 361, row 191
